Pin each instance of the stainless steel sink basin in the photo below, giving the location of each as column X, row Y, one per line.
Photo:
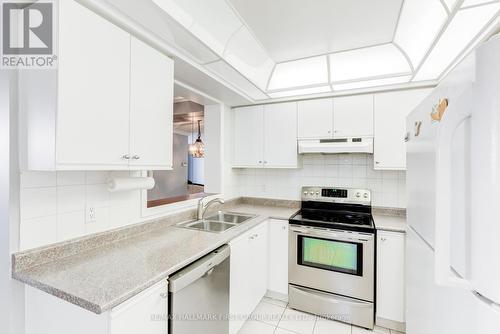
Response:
column 229, row 217
column 217, row 223
column 207, row 225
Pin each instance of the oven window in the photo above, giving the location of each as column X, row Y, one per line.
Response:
column 341, row 256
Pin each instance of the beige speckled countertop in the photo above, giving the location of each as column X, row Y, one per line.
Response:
column 99, row 276
column 390, row 220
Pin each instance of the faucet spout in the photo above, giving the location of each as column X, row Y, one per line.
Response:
column 202, row 209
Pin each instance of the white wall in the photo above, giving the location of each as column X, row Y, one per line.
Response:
column 11, row 291
column 335, row 170
column 53, row 206
column 214, row 151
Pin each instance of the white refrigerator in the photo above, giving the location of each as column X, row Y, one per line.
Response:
column 453, row 196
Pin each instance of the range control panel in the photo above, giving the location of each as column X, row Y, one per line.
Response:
column 336, row 195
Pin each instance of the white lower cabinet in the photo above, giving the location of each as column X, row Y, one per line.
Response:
column 249, row 265
column 145, row 313
column 278, row 257
column 390, row 308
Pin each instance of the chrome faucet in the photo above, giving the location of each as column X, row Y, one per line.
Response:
column 202, row 209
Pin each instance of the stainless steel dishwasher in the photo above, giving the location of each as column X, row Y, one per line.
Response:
column 199, row 296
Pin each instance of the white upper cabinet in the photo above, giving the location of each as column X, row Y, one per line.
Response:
column 151, row 107
column 92, row 90
column 249, row 136
column 315, row 119
column 280, row 135
column 340, row 117
column 266, row 136
column 391, row 110
column 353, row 116
column 110, row 99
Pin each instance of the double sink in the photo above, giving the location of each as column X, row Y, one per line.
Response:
column 218, row 222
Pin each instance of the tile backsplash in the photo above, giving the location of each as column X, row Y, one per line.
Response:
column 53, row 206
column 335, row 170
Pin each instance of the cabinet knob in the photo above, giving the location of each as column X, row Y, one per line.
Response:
column 383, row 239
column 126, row 156
column 260, row 161
column 377, row 162
column 164, row 295
column 283, row 227
column 136, row 157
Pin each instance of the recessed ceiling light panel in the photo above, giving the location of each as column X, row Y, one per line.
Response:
column 375, row 61
column 464, row 27
column 419, row 24
column 297, row 73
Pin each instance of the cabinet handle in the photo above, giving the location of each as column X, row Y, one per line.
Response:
column 136, row 157
column 126, row 156
column 377, row 162
column 283, row 227
column 383, row 239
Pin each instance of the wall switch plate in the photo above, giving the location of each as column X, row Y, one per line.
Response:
column 90, row 214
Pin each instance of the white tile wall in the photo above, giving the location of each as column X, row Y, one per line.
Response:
column 53, row 206
column 335, row 170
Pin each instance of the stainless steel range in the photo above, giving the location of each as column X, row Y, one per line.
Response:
column 331, row 266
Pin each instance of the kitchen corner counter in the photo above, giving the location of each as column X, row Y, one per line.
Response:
column 390, row 219
column 100, row 272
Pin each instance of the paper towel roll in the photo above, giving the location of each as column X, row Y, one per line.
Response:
column 130, row 183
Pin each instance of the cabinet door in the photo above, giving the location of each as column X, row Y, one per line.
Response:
column 390, row 276
column 240, row 280
column 93, row 91
column 259, row 258
column 391, row 109
column 280, row 135
column 278, row 256
column 151, row 107
column 315, row 119
column 249, row 136
column 145, row 313
column 353, row 116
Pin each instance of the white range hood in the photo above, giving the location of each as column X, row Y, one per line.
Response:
column 340, row 145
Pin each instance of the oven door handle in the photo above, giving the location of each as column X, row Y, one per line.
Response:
column 333, row 235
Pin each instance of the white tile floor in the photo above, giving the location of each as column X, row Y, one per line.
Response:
column 273, row 316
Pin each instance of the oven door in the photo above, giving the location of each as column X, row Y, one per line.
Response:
column 340, row 262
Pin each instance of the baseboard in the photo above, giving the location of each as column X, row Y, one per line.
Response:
column 391, row 324
column 277, row 295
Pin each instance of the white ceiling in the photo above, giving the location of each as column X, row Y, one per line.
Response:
column 292, row 29
column 266, row 49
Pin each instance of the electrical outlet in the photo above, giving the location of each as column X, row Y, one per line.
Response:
column 91, row 214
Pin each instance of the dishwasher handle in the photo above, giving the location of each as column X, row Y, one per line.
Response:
column 203, row 267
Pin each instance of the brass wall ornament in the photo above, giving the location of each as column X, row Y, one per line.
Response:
column 439, row 110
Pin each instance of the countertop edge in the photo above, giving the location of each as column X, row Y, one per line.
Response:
column 100, row 309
